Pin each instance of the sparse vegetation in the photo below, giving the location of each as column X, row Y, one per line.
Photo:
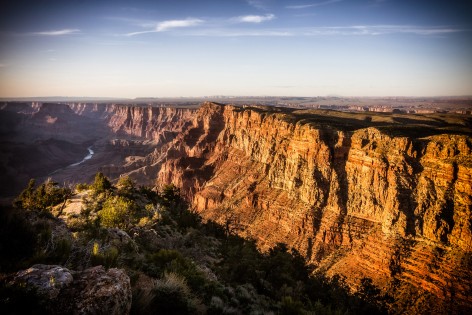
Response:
column 43, row 197
column 192, row 267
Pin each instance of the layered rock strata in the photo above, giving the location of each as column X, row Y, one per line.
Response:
column 357, row 197
column 357, row 202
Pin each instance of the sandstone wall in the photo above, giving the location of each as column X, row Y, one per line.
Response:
column 359, row 202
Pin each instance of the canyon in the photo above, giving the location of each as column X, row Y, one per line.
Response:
column 386, row 196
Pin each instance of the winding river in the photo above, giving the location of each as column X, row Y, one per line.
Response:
column 88, row 157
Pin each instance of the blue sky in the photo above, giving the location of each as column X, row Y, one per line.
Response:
column 238, row 47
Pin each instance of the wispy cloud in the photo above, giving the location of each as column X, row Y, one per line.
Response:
column 311, row 5
column 166, row 25
column 67, row 31
column 225, row 28
column 170, row 24
column 357, row 30
column 255, row 18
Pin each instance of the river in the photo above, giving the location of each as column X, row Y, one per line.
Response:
column 88, row 157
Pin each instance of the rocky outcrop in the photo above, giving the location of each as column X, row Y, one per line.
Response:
column 102, row 292
column 48, row 280
column 92, row 291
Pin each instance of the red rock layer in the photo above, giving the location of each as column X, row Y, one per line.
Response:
column 360, row 203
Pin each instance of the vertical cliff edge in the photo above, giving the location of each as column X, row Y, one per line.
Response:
column 357, row 196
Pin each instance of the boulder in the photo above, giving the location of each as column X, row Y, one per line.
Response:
column 102, row 292
column 48, row 280
column 92, row 291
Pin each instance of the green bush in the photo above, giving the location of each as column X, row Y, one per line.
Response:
column 116, row 212
column 107, row 258
column 81, row 187
column 171, row 295
column 101, row 184
column 43, row 197
column 170, row 195
column 164, row 257
column 126, row 187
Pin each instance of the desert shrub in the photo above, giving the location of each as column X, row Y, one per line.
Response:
column 241, row 261
column 170, row 295
column 25, row 199
column 110, row 257
column 170, row 196
column 188, row 219
column 164, row 257
column 81, row 187
column 188, row 269
column 42, row 197
column 44, row 241
column 145, row 222
column 172, row 209
column 107, row 257
column 168, row 260
column 126, row 187
column 149, row 193
column 289, row 306
column 116, row 212
column 27, row 237
column 60, row 251
column 101, row 184
column 282, row 267
column 217, row 306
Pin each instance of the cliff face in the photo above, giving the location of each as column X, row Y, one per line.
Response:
column 354, row 201
column 409, row 187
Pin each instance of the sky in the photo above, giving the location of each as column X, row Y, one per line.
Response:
column 184, row 48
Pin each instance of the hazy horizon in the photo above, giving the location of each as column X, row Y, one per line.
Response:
column 163, row 49
column 203, row 97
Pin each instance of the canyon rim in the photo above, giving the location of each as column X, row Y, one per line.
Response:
column 361, row 195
